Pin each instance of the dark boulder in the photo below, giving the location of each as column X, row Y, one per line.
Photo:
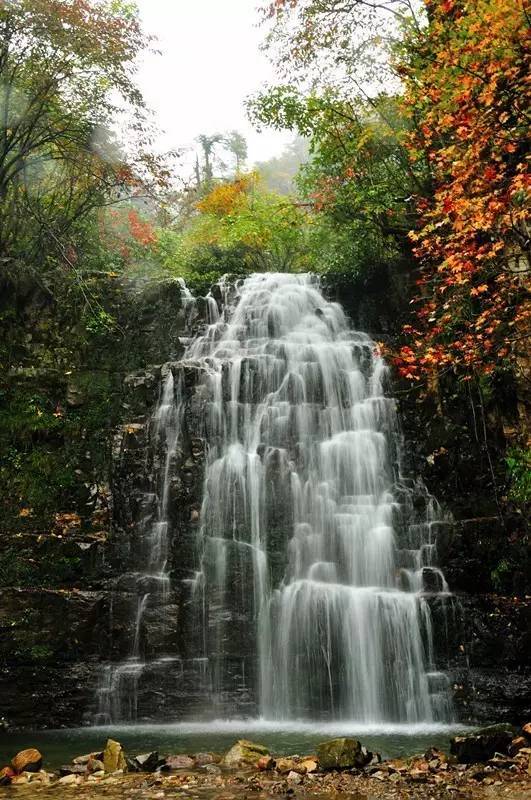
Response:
column 147, row 762
column 482, row 745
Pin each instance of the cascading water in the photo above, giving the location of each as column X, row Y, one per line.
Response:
column 315, row 558
column 303, row 500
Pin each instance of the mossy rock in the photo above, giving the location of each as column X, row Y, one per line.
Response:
column 244, row 753
column 341, row 754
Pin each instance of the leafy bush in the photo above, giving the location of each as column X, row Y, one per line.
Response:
column 518, row 462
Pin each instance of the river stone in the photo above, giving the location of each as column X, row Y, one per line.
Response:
column 19, row 780
column 342, row 754
column 310, row 764
column 285, row 765
column 114, row 757
column 264, row 763
column 88, row 757
column 6, row 775
column 482, row 745
column 27, row 761
column 69, row 780
column 180, row 762
column 202, row 759
column 517, row 744
column 73, row 769
column 147, row 762
column 244, row 752
column 95, row 765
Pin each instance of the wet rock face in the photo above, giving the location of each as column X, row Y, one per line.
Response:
column 59, row 613
column 490, row 638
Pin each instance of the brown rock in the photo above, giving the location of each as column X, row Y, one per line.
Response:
column 27, row 761
column 310, row 764
column 6, row 775
column 114, row 757
column 526, row 730
column 19, row 780
column 95, row 765
column 294, row 777
column 285, row 765
column 517, row 744
column 264, row 763
column 88, row 757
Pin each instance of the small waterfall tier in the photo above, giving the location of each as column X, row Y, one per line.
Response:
column 306, row 588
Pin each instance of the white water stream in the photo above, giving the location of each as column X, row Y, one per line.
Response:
column 298, row 417
column 315, row 553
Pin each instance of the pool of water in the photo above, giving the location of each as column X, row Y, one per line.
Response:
column 60, row 746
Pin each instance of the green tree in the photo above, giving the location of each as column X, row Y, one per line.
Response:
column 207, row 144
column 66, row 74
column 236, row 144
column 358, row 179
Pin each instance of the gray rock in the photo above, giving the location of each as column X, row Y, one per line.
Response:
column 180, row 762
column 73, row 769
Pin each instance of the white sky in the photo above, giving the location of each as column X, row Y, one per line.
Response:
column 210, row 61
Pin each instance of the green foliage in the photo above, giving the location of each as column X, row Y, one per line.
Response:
column 67, row 73
column 19, row 568
column 98, row 321
column 518, row 462
column 238, row 228
column 358, row 180
column 41, row 653
column 501, row 575
column 44, row 466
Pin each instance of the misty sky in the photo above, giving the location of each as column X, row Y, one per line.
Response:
column 210, row 62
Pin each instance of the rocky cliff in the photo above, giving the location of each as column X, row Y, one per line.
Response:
column 76, row 470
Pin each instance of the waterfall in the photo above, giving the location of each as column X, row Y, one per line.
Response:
column 315, row 558
column 305, row 505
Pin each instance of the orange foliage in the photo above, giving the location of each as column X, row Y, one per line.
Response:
column 141, row 230
column 468, row 93
column 226, row 198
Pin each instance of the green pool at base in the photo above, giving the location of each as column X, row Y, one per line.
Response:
column 61, row 746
